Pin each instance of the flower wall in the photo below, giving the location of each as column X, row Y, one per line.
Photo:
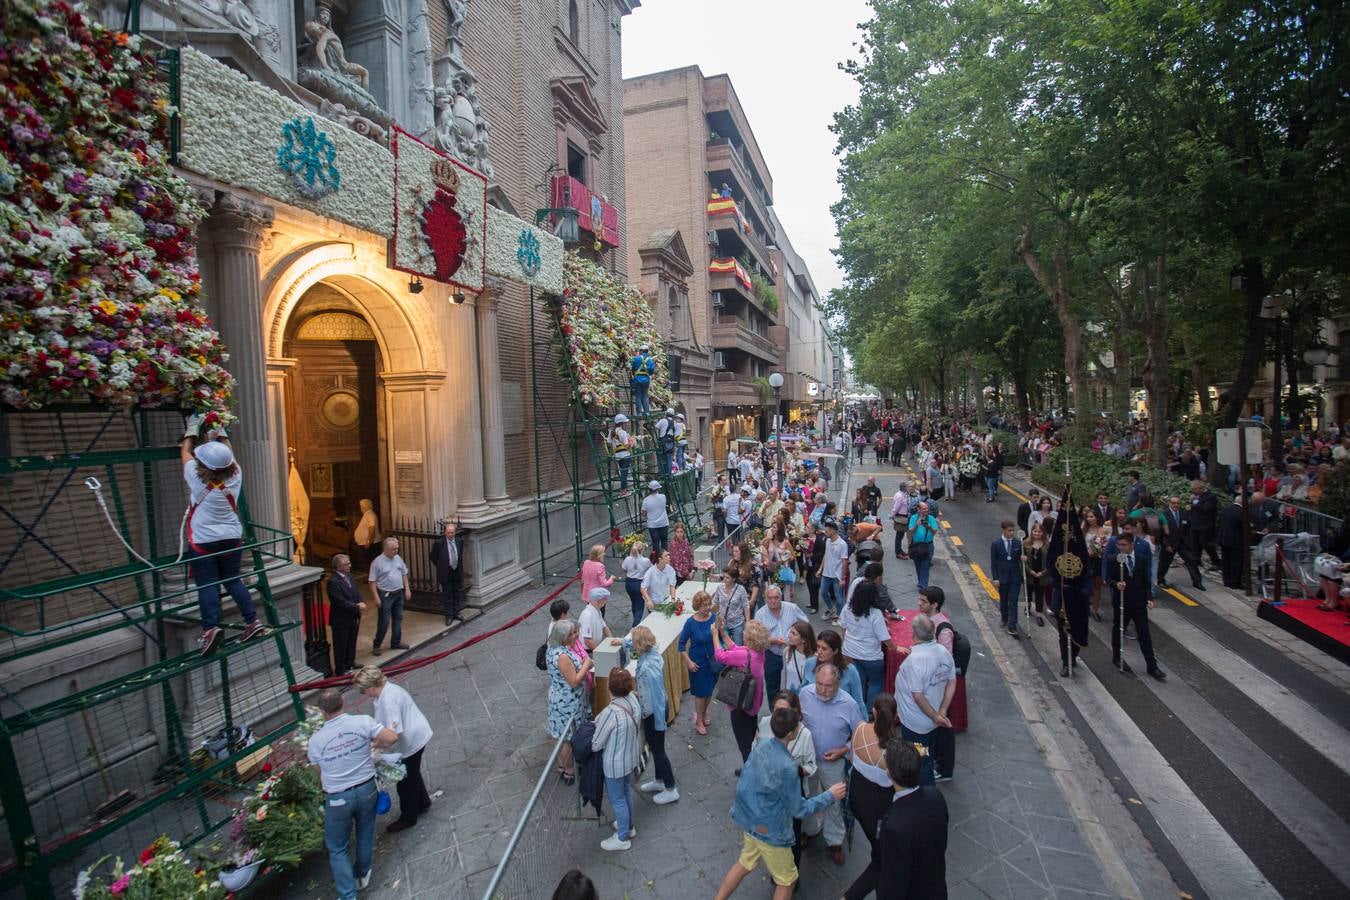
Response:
column 510, row 243
column 98, row 268
column 244, row 133
column 440, row 214
column 604, row 321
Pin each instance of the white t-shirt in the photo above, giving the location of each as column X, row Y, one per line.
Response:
column 732, row 507
column 863, row 637
column 746, row 465
column 213, row 518
column 836, row 551
column 341, row 750
column 395, row 709
column 619, row 441
column 635, row 566
column 654, row 508
column 658, row 584
column 591, row 624
column 388, row 572
column 926, row 670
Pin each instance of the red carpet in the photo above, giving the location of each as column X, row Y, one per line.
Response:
column 1326, row 631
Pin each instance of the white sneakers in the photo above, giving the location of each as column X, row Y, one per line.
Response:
column 612, row 843
column 364, row 881
column 666, row 796
column 651, row 787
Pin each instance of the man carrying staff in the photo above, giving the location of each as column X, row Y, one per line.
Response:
column 1131, row 599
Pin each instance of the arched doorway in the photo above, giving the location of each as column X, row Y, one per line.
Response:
column 333, row 415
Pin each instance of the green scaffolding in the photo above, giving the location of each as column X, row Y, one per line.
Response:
column 577, row 430
column 147, row 778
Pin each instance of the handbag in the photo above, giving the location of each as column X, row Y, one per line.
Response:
column 541, row 658
column 735, row 687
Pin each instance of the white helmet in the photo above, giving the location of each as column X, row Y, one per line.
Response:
column 620, row 419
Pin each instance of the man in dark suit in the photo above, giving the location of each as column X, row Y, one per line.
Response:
column 814, row 552
column 1131, row 598
column 1203, row 522
column 1104, row 510
column 1176, row 542
column 1230, row 543
column 344, row 613
column 1005, row 568
column 913, row 836
column 448, row 556
column 1025, row 510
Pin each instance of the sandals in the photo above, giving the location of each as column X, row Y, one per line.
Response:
column 568, row 777
column 700, row 727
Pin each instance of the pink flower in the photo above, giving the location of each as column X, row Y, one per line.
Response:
column 120, row 884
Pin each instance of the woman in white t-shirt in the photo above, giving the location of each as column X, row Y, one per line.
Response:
column 866, row 638
column 635, row 565
column 214, row 533
column 396, row 710
column 658, row 585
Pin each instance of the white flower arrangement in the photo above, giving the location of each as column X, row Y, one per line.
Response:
column 414, row 187
column 503, row 243
column 232, row 129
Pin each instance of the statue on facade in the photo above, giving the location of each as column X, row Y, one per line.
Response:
column 461, row 129
column 326, row 71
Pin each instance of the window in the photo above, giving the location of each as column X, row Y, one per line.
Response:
column 574, row 22
column 576, row 159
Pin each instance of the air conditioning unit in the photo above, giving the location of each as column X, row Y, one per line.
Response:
column 717, row 300
column 719, row 360
column 712, row 238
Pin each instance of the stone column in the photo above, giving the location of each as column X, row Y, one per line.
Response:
column 490, row 393
column 467, row 429
column 238, row 228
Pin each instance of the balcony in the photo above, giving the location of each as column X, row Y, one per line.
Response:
column 731, row 333
column 722, row 159
column 729, row 275
column 726, row 217
column 735, row 389
column 593, row 214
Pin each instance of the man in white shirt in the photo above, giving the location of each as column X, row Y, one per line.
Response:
column 778, row 616
column 833, row 571
column 735, row 507
column 733, row 467
column 388, row 579
column 341, row 750
column 900, row 518
column 658, row 519
column 590, row 623
column 746, row 464
column 924, row 688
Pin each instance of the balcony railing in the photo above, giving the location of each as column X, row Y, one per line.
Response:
column 730, row 332
column 722, row 156
column 593, row 214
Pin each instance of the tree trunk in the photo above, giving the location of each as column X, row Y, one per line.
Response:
column 1056, row 288
column 1156, row 365
column 1198, row 380
column 1253, row 345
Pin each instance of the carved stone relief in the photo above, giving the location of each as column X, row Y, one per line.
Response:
column 461, row 129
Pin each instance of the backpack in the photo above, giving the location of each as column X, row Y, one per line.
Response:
column 960, row 647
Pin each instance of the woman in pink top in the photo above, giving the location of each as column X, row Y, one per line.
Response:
column 593, row 574
column 744, row 722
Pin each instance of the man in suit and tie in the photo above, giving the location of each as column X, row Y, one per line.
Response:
column 1131, row 599
column 447, row 556
column 1203, row 523
column 1177, row 542
column 1025, row 510
column 344, row 613
column 1104, row 510
column 912, row 850
column 1229, row 535
column 1005, row 568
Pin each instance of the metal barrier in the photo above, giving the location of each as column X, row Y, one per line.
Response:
column 1291, row 518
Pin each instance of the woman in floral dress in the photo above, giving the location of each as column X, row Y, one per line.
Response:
column 567, row 673
column 681, row 553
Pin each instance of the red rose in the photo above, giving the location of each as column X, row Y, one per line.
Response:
column 266, row 767
column 147, row 854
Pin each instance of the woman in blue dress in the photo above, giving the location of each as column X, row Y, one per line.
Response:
column 696, row 646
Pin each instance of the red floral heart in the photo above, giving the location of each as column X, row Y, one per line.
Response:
column 445, row 232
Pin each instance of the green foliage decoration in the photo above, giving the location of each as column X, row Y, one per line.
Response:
column 1336, row 492
column 1093, row 472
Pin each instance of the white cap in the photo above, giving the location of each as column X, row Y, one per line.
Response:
column 597, row 593
column 654, row 485
column 620, row 419
column 670, row 412
column 214, row 455
column 679, row 416
column 645, row 347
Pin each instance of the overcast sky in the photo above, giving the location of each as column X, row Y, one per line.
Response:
column 782, row 56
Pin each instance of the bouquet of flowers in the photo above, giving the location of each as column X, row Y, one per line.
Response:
column 705, row 566
column 628, row 541
column 284, row 818
column 162, row 870
column 1096, row 544
column 669, row 608
column 389, row 769
column 98, row 267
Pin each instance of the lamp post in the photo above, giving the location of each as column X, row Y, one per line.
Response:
column 1272, row 307
column 776, row 382
column 1317, row 356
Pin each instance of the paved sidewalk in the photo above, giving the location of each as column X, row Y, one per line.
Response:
column 1014, row 831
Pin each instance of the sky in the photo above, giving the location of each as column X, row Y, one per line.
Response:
column 783, row 59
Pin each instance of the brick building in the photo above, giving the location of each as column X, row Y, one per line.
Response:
column 693, row 166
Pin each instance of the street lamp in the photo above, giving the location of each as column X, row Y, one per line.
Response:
column 1272, row 308
column 776, row 382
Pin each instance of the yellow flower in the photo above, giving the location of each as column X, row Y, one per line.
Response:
column 171, row 294
column 107, row 306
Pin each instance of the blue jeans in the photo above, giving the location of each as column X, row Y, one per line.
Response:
column 641, row 404
column 737, row 634
column 921, row 566
column 634, row 588
column 340, row 810
column 831, row 594
column 211, row 573
column 621, row 798
column 625, row 463
column 391, row 612
column 873, row 672
column 773, row 672
column 926, row 773
column 991, row 486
